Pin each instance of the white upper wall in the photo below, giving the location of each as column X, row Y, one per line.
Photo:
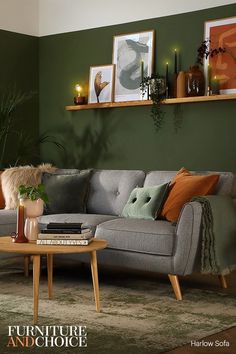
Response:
column 44, row 17
column 21, row 16
column 57, row 16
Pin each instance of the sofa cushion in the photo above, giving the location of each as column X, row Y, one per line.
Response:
column 226, row 184
column 146, row 202
column 184, row 187
column 88, row 220
column 67, row 193
column 110, row 190
column 145, row 236
column 7, row 222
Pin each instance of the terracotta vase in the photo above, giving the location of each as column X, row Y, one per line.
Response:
column 33, row 209
column 195, row 82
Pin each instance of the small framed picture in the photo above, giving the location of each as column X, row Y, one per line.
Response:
column 222, row 67
column 133, row 56
column 101, row 84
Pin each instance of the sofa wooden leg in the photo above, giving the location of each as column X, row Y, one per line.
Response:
column 223, row 281
column 26, row 265
column 175, row 285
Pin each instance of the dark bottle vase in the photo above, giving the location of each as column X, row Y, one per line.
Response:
column 195, row 82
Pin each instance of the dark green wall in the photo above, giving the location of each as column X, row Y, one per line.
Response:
column 19, row 66
column 125, row 137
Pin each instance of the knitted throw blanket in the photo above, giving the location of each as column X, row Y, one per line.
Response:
column 218, row 253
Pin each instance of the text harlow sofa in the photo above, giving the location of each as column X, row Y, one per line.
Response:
column 149, row 245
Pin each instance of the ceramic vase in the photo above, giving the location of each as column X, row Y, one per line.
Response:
column 33, row 209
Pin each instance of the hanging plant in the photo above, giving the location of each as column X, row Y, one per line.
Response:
column 155, row 88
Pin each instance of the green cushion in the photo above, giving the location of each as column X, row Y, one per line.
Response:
column 67, row 193
column 146, row 202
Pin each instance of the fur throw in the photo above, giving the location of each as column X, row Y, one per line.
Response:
column 13, row 177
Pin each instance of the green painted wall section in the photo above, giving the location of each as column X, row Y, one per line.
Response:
column 19, row 66
column 125, row 137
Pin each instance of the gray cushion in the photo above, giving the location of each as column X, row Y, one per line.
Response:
column 146, row 236
column 7, row 222
column 67, row 193
column 110, row 190
column 146, row 202
column 226, row 184
column 89, row 220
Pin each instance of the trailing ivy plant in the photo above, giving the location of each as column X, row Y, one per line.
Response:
column 154, row 87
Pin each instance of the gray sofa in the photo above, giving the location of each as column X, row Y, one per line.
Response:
column 158, row 246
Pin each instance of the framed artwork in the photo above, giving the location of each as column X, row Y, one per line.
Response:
column 101, row 84
column 222, row 33
column 133, row 56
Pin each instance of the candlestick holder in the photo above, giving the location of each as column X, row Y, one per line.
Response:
column 19, row 236
column 79, row 100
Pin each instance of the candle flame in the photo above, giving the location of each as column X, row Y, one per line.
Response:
column 78, row 88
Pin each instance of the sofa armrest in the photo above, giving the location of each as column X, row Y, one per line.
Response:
column 188, row 237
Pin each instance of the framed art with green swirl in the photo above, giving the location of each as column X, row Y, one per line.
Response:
column 133, row 55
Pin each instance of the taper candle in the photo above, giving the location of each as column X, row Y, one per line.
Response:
column 142, row 70
column 176, row 62
column 167, row 73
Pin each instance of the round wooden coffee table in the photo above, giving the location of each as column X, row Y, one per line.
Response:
column 6, row 245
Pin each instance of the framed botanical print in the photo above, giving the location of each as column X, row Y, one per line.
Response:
column 222, row 34
column 133, row 56
column 101, row 84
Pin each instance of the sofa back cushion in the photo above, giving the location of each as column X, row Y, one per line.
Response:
column 226, row 184
column 110, row 190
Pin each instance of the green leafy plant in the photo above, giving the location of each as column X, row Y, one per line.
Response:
column 26, row 147
column 205, row 51
column 10, row 99
column 154, row 87
column 33, row 192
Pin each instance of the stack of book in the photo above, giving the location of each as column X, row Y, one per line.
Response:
column 66, row 234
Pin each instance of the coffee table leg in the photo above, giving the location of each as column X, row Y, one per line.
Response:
column 26, row 265
column 94, row 270
column 50, row 274
column 36, row 274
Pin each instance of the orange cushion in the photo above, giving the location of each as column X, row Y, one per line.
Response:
column 2, row 200
column 183, row 188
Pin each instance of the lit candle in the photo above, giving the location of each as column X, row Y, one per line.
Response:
column 215, row 86
column 78, row 89
column 176, row 62
column 142, row 70
column 167, row 73
column 167, row 80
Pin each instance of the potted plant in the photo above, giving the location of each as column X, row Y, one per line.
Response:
column 33, row 199
column 27, row 148
column 155, row 88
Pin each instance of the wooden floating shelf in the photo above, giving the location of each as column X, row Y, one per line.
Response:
column 149, row 102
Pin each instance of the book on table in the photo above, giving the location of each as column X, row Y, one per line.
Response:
column 65, row 225
column 68, row 236
column 65, row 234
column 65, row 242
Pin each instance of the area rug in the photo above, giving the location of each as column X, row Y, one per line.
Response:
column 139, row 314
